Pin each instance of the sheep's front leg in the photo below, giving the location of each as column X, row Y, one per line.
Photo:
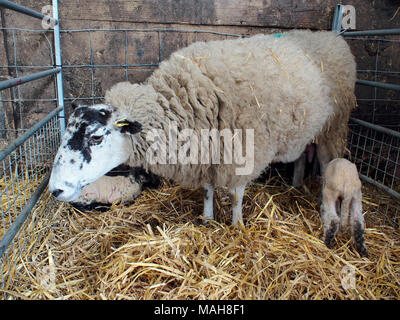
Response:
column 237, row 196
column 208, row 212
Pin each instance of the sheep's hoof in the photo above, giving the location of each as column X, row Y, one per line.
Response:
column 206, row 222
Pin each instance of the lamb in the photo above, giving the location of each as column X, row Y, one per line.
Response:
column 122, row 183
column 270, row 96
column 342, row 203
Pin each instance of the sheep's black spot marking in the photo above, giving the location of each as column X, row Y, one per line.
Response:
column 77, row 139
column 81, row 166
column 99, row 116
column 77, row 142
column 72, row 161
column 131, row 127
column 121, row 170
column 86, row 117
column 97, row 206
column 138, row 174
column 148, row 179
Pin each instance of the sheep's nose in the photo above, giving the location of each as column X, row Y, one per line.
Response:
column 57, row 192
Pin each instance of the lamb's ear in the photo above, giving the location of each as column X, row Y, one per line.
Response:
column 128, row 126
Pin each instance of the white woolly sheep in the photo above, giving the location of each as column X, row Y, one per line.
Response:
column 273, row 94
column 122, row 183
column 342, row 203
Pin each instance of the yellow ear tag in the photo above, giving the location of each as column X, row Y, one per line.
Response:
column 118, row 123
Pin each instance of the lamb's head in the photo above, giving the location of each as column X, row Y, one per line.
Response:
column 96, row 140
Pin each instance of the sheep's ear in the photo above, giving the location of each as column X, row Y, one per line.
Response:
column 128, row 126
column 74, row 105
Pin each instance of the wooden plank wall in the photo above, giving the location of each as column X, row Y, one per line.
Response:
column 227, row 16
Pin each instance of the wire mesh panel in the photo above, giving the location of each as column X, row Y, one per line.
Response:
column 374, row 139
column 108, row 56
column 26, row 104
column 378, row 105
column 23, row 171
column 377, row 156
column 30, row 132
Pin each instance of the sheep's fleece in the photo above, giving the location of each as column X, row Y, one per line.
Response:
column 285, row 88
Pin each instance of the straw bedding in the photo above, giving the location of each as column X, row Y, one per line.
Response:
column 157, row 248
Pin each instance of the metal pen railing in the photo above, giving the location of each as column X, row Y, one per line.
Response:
column 374, row 148
column 26, row 161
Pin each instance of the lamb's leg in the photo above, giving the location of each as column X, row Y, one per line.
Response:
column 298, row 172
column 208, row 212
column 357, row 225
column 329, row 218
column 237, row 196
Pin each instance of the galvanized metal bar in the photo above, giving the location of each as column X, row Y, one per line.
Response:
column 17, row 7
column 14, row 228
column 390, row 191
column 376, row 127
column 30, row 77
column 388, row 86
column 59, row 77
column 92, row 67
column 157, row 30
column 382, row 32
column 111, row 65
column 19, row 141
column 18, row 88
column 337, row 18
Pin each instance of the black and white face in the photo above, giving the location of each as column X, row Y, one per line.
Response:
column 92, row 145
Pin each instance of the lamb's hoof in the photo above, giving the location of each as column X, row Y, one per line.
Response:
column 359, row 239
column 330, row 234
column 362, row 250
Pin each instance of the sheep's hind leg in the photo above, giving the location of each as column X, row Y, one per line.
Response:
column 357, row 224
column 329, row 218
column 208, row 212
column 237, row 196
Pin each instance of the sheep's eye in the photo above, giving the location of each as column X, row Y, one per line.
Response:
column 95, row 139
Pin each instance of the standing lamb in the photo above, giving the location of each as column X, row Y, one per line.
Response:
column 273, row 94
column 342, row 203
